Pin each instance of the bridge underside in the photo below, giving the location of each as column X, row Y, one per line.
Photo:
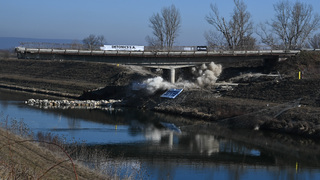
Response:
column 151, row 61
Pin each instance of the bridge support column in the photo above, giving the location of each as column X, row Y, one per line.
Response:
column 172, row 75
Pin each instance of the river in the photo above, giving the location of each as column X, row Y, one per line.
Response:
column 151, row 145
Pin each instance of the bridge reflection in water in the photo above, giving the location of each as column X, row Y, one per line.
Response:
column 195, row 143
column 233, row 152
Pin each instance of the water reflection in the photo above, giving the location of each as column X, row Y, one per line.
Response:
column 147, row 142
column 207, row 157
column 206, row 144
column 155, row 131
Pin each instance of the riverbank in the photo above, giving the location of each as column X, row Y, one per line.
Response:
column 24, row 158
column 69, row 77
column 196, row 147
column 281, row 103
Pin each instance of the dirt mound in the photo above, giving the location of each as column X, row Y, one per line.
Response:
column 281, row 91
column 288, row 86
column 308, row 62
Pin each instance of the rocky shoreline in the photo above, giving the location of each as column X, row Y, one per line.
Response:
column 73, row 104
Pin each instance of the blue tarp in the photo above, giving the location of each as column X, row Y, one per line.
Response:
column 172, row 93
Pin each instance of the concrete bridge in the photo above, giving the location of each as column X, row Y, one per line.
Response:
column 158, row 59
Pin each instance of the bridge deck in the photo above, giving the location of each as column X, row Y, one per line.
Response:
column 24, row 50
column 153, row 58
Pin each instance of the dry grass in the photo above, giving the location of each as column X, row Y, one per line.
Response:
column 25, row 158
column 24, row 155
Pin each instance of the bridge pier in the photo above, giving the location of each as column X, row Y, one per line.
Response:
column 172, row 69
column 168, row 73
column 172, row 75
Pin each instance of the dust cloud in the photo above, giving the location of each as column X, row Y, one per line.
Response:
column 157, row 83
column 205, row 76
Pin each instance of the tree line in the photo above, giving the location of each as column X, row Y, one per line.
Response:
column 293, row 27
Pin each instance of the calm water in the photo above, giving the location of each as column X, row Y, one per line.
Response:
column 149, row 146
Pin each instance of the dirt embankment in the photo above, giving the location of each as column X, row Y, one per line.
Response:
column 283, row 103
column 21, row 158
column 66, row 76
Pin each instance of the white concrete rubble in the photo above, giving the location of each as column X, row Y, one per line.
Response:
column 72, row 104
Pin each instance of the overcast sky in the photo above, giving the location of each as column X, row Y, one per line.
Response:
column 120, row 21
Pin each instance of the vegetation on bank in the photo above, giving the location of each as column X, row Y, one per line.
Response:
column 25, row 155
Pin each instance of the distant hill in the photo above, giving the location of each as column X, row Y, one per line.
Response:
column 11, row 42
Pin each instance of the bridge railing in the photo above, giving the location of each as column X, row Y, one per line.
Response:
column 79, row 46
column 34, row 51
column 215, row 49
column 45, row 45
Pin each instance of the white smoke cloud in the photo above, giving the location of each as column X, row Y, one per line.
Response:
column 206, row 75
column 157, row 83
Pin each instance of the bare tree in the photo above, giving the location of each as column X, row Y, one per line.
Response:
column 215, row 40
column 101, row 40
column 172, row 21
column 93, row 41
column 314, row 42
column 154, row 43
column 292, row 25
column 237, row 32
column 165, row 27
column 156, row 23
column 267, row 36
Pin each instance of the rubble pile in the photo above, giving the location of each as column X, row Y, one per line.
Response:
column 72, row 104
